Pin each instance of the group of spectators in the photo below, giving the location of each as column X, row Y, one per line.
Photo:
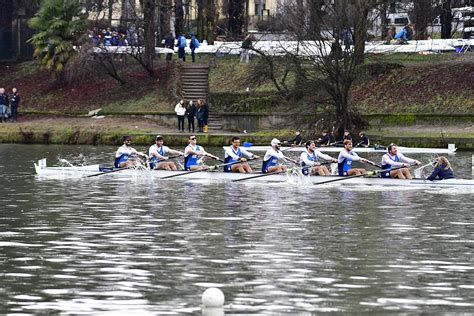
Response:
column 9, row 105
column 113, row 37
column 181, row 43
column 198, row 111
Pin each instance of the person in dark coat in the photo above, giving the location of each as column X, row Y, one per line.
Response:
column 3, row 105
column 200, row 116
column 442, row 170
column 14, row 102
column 191, row 113
column 169, row 43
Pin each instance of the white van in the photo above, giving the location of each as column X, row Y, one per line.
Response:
column 398, row 18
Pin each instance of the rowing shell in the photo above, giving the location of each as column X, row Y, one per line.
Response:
column 405, row 150
column 83, row 171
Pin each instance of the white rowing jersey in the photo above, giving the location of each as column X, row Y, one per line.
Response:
column 158, row 152
column 235, row 154
column 125, row 150
column 311, row 159
column 396, row 160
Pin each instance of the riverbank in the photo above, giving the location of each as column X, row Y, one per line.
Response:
column 109, row 130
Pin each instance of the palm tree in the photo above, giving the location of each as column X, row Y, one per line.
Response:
column 59, row 25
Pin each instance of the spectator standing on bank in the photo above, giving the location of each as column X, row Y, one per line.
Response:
column 169, row 43
column 3, row 105
column 14, row 103
column 180, row 110
column 200, row 116
column 206, row 115
column 191, row 113
column 181, row 47
column 193, row 45
column 245, row 49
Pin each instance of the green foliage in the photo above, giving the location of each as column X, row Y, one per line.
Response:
column 59, row 25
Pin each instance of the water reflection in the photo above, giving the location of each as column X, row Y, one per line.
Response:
column 138, row 246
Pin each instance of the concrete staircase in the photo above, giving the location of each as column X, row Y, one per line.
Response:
column 195, row 86
column 194, row 81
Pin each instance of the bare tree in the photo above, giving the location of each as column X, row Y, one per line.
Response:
column 236, row 16
column 322, row 67
column 179, row 17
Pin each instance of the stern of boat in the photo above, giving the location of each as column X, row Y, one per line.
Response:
column 41, row 165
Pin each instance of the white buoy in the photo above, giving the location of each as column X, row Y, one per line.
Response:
column 213, row 297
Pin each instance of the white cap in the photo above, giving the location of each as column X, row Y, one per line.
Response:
column 275, row 142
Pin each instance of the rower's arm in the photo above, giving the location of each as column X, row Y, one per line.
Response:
column 325, row 157
column 386, row 160
column 408, row 160
column 175, row 152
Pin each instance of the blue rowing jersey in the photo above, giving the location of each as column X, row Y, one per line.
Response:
column 344, row 165
column 229, row 159
column 310, row 157
column 388, row 167
column 153, row 159
column 191, row 160
column 271, row 159
column 123, row 154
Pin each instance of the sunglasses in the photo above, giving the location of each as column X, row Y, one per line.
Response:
column 193, row 138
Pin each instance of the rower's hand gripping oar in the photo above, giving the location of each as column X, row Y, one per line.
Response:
column 200, row 170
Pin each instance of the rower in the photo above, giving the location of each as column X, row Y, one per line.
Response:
column 345, row 159
column 191, row 154
column 442, row 170
column 271, row 157
column 365, row 142
column 158, row 158
column 309, row 160
column 235, row 153
column 325, row 139
column 393, row 159
column 122, row 156
column 297, row 141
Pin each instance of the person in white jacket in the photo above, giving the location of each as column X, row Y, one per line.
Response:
column 180, row 110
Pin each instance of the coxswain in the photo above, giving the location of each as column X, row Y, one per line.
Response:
column 297, row 141
column 191, row 154
column 325, row 139
column 158, row 155
column 234, row 154
column 393, row 159
column 347, row 135
column 270, row 160
column 364, row 142
column 345, row 159
column 442, row 170
column 309, row 160
column 122, row 156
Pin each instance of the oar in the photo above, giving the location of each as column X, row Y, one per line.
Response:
column 373, row 164
column 106, row 172
column 259, row 176
column 370, row 173
column 199, row 170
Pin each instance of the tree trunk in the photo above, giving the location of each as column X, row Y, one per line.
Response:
column 422, row 12
column 236, row 17
column 210, row 26
column 384, row 21
column 360, row 33
column 110, row 11
column 446, row 19
column 165, row 20
column 179, row 17
column 315, row 19
column 149, row 22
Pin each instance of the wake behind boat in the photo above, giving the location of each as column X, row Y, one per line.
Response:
column 405, row 150
column 85, row 172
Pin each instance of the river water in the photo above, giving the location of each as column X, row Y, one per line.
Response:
column 110, row 245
